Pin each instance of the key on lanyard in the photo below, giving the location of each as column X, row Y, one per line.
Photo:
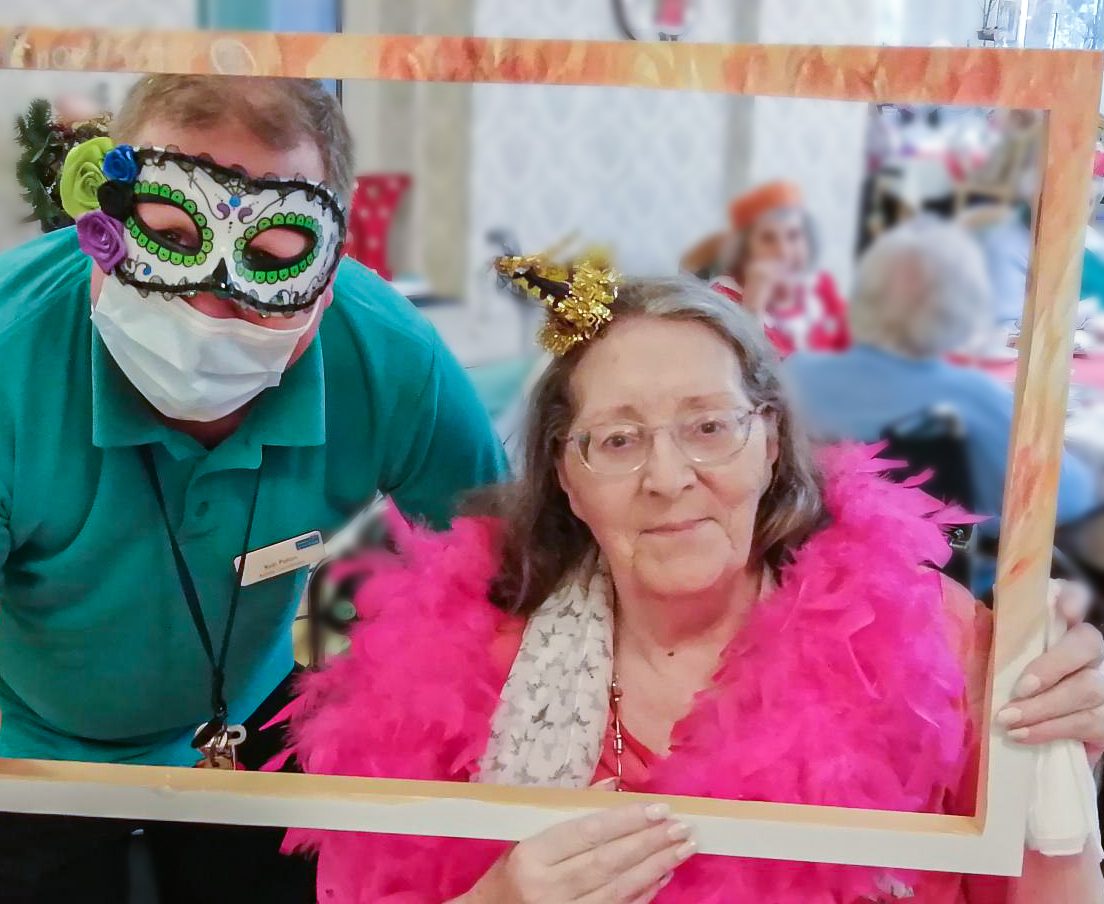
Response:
column 221, row 751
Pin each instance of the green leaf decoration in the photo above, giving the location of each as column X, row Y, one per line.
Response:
column 44, row 144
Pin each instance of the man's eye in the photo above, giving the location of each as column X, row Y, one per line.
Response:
column 181, row 238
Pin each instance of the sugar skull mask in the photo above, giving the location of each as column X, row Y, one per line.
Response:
column 190, row 225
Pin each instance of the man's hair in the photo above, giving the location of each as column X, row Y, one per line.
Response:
column 279, row 112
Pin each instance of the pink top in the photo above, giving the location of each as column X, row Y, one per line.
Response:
column 969, row 625
column 850, row 620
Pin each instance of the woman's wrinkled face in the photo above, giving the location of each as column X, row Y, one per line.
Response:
column 781, row 236
column 674, row 526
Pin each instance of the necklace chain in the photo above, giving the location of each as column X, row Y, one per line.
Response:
column 618, row 736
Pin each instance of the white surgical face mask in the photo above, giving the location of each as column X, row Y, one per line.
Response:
column 189, row 366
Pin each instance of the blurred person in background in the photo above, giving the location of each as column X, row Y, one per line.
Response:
column 1004, row 234
column 1001, row 198
column 922, row 293
column 767, row 263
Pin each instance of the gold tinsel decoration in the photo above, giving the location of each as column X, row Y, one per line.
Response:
column 578, row 296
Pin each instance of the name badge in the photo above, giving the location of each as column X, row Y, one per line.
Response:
column 280, row 558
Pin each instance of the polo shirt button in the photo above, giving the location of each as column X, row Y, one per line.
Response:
column 201, row 509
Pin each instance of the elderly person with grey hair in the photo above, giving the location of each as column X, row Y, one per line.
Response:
column 921, row 294
column 677, row 597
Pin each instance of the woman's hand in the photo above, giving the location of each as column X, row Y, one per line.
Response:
column 762, row 281
column 622, row 856
column 1061, row 694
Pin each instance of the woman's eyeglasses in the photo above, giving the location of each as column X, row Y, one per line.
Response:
column 705, row 437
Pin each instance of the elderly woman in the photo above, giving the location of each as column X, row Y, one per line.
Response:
column 921, row 294
column 673, row 599
column 765, row 262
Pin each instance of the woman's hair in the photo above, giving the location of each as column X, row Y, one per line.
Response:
column 279, row 112
column 922, row 290
column 543, row 541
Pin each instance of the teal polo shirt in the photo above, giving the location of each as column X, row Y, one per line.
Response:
column 99, row 657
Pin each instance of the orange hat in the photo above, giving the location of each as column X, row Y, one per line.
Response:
column 749, row 207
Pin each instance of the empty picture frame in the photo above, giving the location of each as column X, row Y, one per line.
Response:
column 1066, row 85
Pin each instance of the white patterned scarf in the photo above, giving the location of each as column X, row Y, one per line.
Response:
column 551, row 718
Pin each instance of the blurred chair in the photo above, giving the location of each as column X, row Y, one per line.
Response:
column 1080, row 545
column 327, row 611
column 933, row 440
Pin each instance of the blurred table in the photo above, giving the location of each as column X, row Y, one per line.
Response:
column 1087, row 371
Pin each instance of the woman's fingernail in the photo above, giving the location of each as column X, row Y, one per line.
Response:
column 666, row 880
column 680, row 831
column 1026, row 686
column 1018, row 734
column 657, row 812
column 686, row 851
column 1009, row 716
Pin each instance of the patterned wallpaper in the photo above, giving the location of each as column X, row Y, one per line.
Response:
column 650, row 172
column 816, row 143
column 643, row 171
column 647, row 171
column 422, row 129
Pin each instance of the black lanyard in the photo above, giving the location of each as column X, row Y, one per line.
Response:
column 191, row 597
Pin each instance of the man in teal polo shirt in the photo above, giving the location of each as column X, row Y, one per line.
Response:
column 204, row 409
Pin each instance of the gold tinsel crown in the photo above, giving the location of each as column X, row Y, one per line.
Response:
column 578, row 296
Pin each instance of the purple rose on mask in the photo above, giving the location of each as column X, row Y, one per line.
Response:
column 101, row 238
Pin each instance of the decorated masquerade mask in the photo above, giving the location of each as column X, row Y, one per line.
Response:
column 176, row 224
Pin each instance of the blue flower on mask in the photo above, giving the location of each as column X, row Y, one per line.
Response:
column 119, row 164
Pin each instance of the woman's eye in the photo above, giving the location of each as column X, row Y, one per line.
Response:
column 712, row 428
column 616, row 442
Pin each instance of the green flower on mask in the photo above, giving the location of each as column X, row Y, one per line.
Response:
column 82, row 175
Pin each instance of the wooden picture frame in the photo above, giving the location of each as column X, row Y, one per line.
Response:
column 1064, row 84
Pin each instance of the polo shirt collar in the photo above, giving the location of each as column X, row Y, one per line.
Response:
column 291, row 414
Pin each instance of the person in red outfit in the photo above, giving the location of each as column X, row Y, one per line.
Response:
column 766, row 262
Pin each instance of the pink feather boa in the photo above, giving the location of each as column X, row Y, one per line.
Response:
column 842, row 689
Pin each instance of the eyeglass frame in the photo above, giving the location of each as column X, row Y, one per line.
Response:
column 576, row 439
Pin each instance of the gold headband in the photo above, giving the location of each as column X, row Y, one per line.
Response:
column 578, row 296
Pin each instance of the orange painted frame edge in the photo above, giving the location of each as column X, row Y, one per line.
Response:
column 1065, row 84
